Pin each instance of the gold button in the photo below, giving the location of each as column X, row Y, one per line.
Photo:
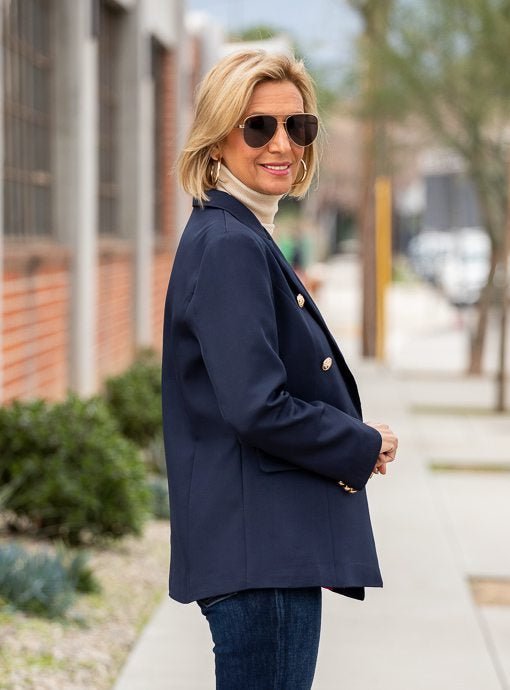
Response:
column 327, row 364
column 347, row 488
column 300, row 300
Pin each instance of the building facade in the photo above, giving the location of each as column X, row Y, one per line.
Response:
column 91, row 124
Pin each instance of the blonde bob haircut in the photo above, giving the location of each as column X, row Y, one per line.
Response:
column 221, row 103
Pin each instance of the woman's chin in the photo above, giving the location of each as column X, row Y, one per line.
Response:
column 275, row 187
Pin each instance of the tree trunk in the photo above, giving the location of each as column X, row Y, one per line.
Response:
column 489, row 178
column 503, row 305
column 375, row 14
column 366, row 232
column 478, row 338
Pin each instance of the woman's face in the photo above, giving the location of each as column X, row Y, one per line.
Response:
column 273, row 168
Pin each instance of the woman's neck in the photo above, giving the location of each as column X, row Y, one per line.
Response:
column 263, row 206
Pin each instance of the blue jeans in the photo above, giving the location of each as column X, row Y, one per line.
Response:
column 265, row 639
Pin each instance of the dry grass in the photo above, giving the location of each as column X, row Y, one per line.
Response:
column 484, row 466
column 455, row 410
column 87, row 651
column 490, row 591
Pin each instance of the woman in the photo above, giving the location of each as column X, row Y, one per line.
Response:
column 267, row 453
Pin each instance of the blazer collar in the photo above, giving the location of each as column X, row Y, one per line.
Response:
column 244, row 215
column 229, row 203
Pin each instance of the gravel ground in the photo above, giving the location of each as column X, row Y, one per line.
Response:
column 86, row 651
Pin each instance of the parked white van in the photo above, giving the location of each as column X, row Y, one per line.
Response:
column 466, row 267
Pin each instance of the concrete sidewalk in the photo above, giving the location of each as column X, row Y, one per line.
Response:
column 422, row 631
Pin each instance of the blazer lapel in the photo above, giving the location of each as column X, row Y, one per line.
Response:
column 314, row 310
column 244, row 215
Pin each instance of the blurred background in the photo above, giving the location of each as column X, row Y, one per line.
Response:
column 404, row 242
column 97, row 98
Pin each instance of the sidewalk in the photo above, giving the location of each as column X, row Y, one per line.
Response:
column 422, row 631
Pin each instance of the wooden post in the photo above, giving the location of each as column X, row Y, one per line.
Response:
column 383, row 257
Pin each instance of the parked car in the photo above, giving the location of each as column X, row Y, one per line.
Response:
column 466, row 268
column 428, row 252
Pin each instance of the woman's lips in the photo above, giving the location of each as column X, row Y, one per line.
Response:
column 278, row 169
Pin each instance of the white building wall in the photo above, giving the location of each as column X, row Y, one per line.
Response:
column 76, row 160
column 76, row 179
column 148, row 18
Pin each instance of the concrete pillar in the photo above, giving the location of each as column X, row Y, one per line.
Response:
column 76, row 178
column 136, row 164
column 185, row 112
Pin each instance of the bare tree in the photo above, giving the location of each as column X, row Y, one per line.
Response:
column 446, row 63
column 375, row 15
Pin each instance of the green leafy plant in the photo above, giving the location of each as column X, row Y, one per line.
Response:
column 41, row 583
column 78, row 570
column 159, row 492
column 134, row 399
column 155, row 455
column 77, row 477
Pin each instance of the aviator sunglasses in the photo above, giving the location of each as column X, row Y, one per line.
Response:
column 258, row 130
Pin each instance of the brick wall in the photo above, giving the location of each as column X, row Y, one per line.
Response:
column 37, row 292
column 162, row 267
column 36, row 302
column 168, row 145
column 115, row 342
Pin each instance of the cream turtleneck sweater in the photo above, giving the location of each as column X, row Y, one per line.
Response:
column 263, row 206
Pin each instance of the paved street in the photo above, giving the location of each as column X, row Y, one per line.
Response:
column 423, row 630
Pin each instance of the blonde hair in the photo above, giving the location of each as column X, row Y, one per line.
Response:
column 221, row 103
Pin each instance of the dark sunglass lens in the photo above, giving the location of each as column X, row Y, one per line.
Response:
column 259, row 129
column 302, row 129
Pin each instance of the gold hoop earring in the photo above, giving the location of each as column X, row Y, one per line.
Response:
column 305, row 172
column 215, row 172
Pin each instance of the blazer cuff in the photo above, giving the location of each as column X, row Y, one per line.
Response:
column 366, row 463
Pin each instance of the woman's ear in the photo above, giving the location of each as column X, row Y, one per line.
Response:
column 216, row 153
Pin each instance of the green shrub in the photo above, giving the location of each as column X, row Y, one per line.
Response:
column 134, row 399
column 78, row 571
column 41, row 583
column 154, row 454
column 76, row 476
column 159, row 491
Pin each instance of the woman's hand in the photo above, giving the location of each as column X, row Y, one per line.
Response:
column 389, row 446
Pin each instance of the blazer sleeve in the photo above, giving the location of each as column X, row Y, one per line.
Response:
column 233, row 317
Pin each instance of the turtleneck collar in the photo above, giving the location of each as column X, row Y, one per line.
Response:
column 263, row 206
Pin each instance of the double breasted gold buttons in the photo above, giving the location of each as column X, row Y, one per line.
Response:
column 326, row 364
column 348, row 489
column 300, row 300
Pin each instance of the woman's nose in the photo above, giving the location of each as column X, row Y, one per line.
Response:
column 280, row 140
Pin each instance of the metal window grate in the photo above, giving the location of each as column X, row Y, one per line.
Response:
column 28, row 84
column 109, row 39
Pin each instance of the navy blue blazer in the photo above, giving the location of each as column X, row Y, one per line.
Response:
column 261, row 420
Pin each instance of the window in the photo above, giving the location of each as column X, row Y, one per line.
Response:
column 109, row 38
column 28, row 79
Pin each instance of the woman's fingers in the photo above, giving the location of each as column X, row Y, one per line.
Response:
column 389, row 440
column 388, row 449
column 381, row 464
